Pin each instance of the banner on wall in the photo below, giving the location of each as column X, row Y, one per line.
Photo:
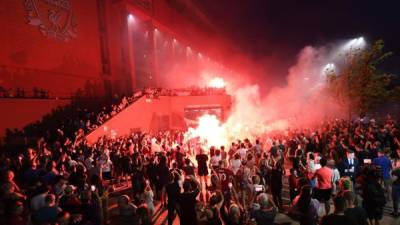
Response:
column 53, row 18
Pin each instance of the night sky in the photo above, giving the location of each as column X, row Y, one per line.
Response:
column 279, row 29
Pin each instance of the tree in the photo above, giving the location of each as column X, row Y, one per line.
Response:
column 360, row 85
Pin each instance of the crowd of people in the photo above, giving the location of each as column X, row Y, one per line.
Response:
column 23, row 93
column 149, row 92
column 60, row 179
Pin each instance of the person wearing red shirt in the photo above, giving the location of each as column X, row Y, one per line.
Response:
column 225, row 176
column 323, row 190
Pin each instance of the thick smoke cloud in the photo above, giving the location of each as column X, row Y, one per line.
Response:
column 302, row 103
column 259, row 106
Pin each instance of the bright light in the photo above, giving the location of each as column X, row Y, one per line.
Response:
column 354, row 44
column 131, row 18
column 216, row 82
column 209, row 130
column 360, row 41
column 328, row 68
column 188, row 51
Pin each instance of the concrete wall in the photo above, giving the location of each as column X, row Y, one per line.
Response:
column 16, row 113
column 84, row 43
column 31, row 57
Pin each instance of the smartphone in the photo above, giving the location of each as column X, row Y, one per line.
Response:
column 92, row 188
column 230, row 185
column 257, row 189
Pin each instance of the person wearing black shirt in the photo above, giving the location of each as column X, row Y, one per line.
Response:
column 172, row 189
column 338, row 217
column 357, row 214
column 162, row 174
column 276, row 165
column 349, row 166
column 362, row 154
column 188, row 168
column 187, row 202
column 202, row 169
column 179, row 157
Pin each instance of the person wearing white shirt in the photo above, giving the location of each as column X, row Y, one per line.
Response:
column 235, row 163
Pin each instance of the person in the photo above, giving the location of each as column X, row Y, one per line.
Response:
column 187, row 201
column 267, row 212
column 172, row 190
column 188, row 168
column 338, row 217
column 345, row 184
column 90, row 208
column 292, row 184
column 10, row 179
column 396, row 192
column 48, row 213
column 235, row 163
column 38, row 200
column 349, row 166
column 213, row 212
column 277, row 171
column 69, row 202
column 323, row 190
column 16, row 215
column 357, row 214
column 373, row 196
column 179, row 156
column 385, row 165
column 258, row 148
column 305, row 208
column 162, row 178
column 335, row 176
column 225, row 176
column 106, row 167
column 143, row 215
column 9, row 199
column 147, row 196
column 202, row 169
column 234, row 216
column 127, row 210
column 297, row 163
column 215, row 159
column 242, row 151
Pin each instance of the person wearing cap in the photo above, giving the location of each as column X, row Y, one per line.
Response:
column 349, row 166
column 386, row 167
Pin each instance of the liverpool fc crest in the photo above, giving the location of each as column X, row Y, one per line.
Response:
column 54, row 18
